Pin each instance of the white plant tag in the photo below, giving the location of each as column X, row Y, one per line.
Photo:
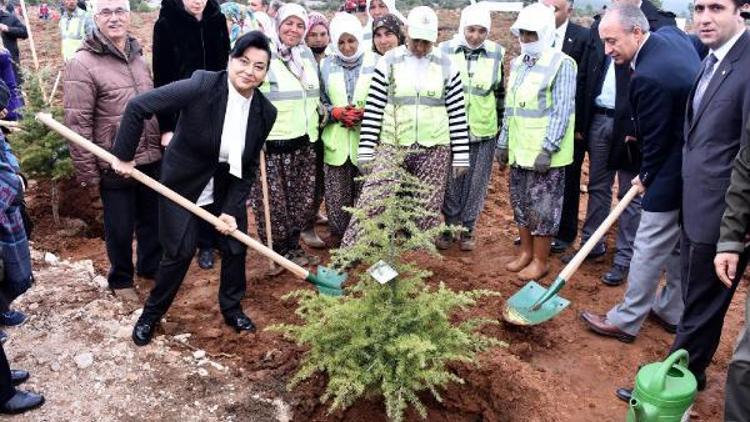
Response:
column 382, row 272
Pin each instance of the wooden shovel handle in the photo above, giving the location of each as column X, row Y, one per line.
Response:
column 266, row 202
column 171, row 195
column 582, row 253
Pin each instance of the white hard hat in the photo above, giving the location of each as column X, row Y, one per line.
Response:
column 535, row 17
column 422, row 24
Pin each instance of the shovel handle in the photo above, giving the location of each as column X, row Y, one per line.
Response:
column 266, row 202
column 582, row 253
column 105, row 155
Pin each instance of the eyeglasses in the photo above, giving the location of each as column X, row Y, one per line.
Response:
column 107, row 13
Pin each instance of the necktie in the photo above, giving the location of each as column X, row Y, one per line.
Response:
column 708, row 72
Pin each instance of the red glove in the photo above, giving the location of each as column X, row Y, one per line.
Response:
column 338, row 113
column 352, row 117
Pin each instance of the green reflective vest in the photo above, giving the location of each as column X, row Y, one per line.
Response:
column 72, row 32
column 341, row 142
column 528, row 107
column 296, row 101
column 416, row 116
column 479, row 87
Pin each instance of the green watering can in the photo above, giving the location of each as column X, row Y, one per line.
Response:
column 664, row 391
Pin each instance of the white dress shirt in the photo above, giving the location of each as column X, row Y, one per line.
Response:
column 232, row 139
column 560, row 35
column 722, row 51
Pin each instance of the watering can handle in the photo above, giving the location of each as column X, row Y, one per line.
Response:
column 659, row 380
column 105, row 155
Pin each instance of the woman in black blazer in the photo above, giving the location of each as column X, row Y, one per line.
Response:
column 208, row 161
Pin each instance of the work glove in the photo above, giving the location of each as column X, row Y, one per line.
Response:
column 543, row 162
column 501, row 155
column 351, row 117
column 459, row 171
column 337, row 113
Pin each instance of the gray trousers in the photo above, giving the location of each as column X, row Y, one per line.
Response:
column 656, row 249
column 464, row 195
column 601, row 180
column 737, row 400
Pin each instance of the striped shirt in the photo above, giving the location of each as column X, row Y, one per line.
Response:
column 563, row 105
column 377, row 99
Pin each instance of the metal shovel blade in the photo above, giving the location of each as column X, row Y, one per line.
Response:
column 327, row 281
column 525, row 307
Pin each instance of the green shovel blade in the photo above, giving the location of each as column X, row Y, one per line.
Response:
column 327, row 281
column 522, row 308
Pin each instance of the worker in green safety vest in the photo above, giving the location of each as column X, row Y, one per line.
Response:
column 536, row 138
column 75, row 24
column 480, row 62
column 346, row 79
column 293, row 87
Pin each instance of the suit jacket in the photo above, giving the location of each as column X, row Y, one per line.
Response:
column 714, row 134
column 665, row 69
column 591, row 75
column 574, row 45
column 192, row 157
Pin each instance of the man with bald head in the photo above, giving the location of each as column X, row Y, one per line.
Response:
column 664, row 65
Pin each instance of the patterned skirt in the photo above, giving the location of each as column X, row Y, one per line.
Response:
column 537, row 199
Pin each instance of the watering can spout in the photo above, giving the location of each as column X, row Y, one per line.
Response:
column 638, row 411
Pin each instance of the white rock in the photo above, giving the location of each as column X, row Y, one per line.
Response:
column 123, row 332
column 202, row 372
column 101, row 282
column 84, row 360
column 182, row 337
column 199, row 354
column 55, row 367
column 51, row 259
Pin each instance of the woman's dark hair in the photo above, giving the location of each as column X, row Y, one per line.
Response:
column 391, row 23
column 255, row 39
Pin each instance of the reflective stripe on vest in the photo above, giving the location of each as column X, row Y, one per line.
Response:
column 340, row 142
column 71, row 40
column 528, row 109
column 290, row 96
column 479, row 87
column 422, row 115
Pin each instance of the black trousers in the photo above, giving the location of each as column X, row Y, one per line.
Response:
column 572, row 196
column 207, row 234
column 706, row 303
column 172, row 272
column 130, row 207
column 6, row 388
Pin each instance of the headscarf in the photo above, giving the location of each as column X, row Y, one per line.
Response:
column 267, row 25
column 473, row 15
column 391, row 23
column 292, row 56
column 537, row 18
column 345, row 23
column 233, row 12
column 391, row 5
column 315, row 18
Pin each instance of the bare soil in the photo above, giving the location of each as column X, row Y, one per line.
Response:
column 556, row 371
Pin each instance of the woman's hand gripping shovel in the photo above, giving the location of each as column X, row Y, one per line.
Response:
column 327, row 281
column 534, row 304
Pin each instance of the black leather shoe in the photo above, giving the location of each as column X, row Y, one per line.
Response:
column 624, row 394
column 21, row 402
column 701, row 379
column 206, row 259
column 670, row 328
column 615, row 276
column 18, row 376
column 558, row 246
column 3, row 336
column 142, row 332
column 240, row 322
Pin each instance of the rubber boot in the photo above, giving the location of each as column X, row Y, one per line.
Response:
column 525, row 254
column 539, row 266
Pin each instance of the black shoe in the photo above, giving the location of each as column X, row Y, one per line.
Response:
column 21, row 402
column 597, row 252
column 3, row 336
column 18, row 376
column 701, row 379
column 240, row 322
column 558, row 246
column 517, row 241
column 624, row 394
column 670, row 328
column 206, row 258
column 615, row 276
column 143, row 331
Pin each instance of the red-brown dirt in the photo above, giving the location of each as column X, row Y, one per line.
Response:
column 556, row 371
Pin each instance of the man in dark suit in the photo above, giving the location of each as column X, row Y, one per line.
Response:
column 571, row 39
column 664, row 65
column 603, row 123
column 211, row 159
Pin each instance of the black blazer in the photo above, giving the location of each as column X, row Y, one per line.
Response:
column 192, row 157
column 665, row 69
column 591, row 74
column 713, row 136
column 574, row 45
